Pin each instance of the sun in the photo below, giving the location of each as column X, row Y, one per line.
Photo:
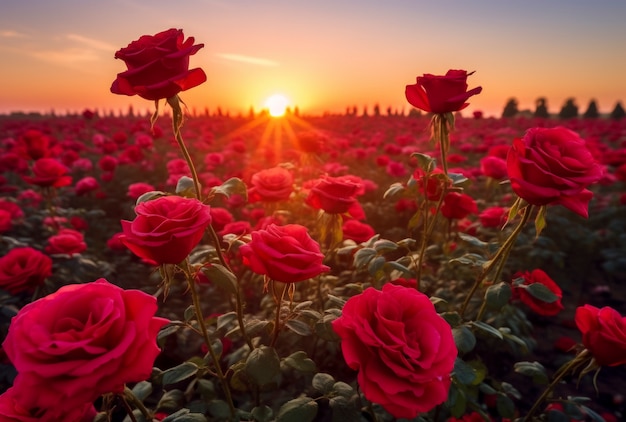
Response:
column 277, row 105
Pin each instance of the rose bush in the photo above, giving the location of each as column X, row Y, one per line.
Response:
column 283, row 253
column 441, row 94
column 403, row 349
column 158, row 66
column 166, row 229
column 553, row 166
column 81, row 342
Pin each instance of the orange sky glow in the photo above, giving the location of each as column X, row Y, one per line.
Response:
column 324, row 56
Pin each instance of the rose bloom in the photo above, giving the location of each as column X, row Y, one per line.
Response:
column 82, row 341
column 458, row 205
column 166, row 229
column 604, row 334
column 49, row 172
column 271, row 185
column 220, row 217
column 431, row 185
column 441, row 94
column 404, row 351
column 333, row 195
column 539, row 306
column 12, row 409
column 494, row 167
column 284, row 253
column 6, row 221
column 238, row 228
column 135, row 190
column 357, row 231
column 12, row 208
column 158, row 66
column 33, row 145
column 115, row 243
column 553, row 166
column 30, row 198
column 23, row 269
column 86, row 185
column 493, row 217
column 66, row 241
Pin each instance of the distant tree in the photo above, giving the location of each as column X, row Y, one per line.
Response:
column 365, row 114
column 251, row 112
column 510, row 109
column 569, row 109
column 541, row 108
column 390, row 111
column 618, row 112
column 376, row 110
column 592, row 111
column 414, row 112
column 131, row 111
column 296, row 111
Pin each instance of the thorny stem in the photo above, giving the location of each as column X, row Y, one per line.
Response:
column 429, row 228
column 569, row 367
column 177, row 122
column 207, row 339
column 500, row 257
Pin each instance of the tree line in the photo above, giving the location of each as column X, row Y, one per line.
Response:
column 569, row 110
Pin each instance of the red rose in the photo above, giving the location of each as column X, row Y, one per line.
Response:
column 494, row 167
column 274, row 184
column 539, row 306
column 23, row 269
column 404, row 351
column 220, row 217
column 33, row 145
column 66, row 241
column 284, row 253
column 166, row 229
column 335, row 195
column 458, row 205
column 82, row 341
column 12, row 409
column 135, row 190
column 86, row 185
column 441, row 94
column 6, row 221
column 604, row 334
column 431, row 185
column 357, row 231
column 493, row 217
column 158, row 66
column 49, row 172
column 553, row 166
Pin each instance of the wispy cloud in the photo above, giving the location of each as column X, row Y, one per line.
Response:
column 9, row 33
column 257, row 61
column 90, row 42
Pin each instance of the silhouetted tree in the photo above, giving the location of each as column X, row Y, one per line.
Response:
column 510, row 109
column 592, row 111
column 376, row 110
column 541, row 109
column 618, row 111
column 569, row 109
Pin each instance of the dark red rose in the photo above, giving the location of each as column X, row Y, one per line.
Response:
column 441, row 94
column 493, row 217
column 334, row 195
column 158, row 66
column 49, row 172
column 604, row 334
column 458, row 205
column 24, row 269
column 404, row 351
column 539, row 306
column 85, row 185
column 553, row 166
column 494, row 167
column 284, row 253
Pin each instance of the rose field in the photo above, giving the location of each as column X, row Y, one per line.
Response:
column 199, row 266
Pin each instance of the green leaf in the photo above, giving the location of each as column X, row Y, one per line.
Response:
column 263, row 365
column 231, row 187
column 219, row 409
column 464, row 339
column 488, row 329
column 383, row 245
column 149, row 196
column 165, row 332
column 301, row 409
column 505, row 406
column 224, row 320
column 394, row 190
column 376, row 264
column 343, row 410
column 142, row 390
column 457, row 401
column 340, row 388
column 535, row 370
column 222, row 278
column 323, row 382
column 541, row 292
column 474, row 241
column 179, row 373
column 299, row 327
column 540, row 220
column 424, row 162
column 498, row 295
column 190, row 417
column 363, row 256
column 300, row 362
column 463, row 372
column 189, row 313
column 185, row 187
column 262, row 413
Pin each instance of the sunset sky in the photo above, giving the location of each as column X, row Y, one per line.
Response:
column 324, row 55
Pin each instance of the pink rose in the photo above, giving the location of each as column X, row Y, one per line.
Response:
column 66, row 241
column 404, row 351
column 441, row 94
column 539, row 306
column 284, row 253
column 604, row 334
column 82, row 341
column 270, row 185
column 166, row 229
column 553, row 166
column 23, row 269
column 86, row 185
column 158, row 66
